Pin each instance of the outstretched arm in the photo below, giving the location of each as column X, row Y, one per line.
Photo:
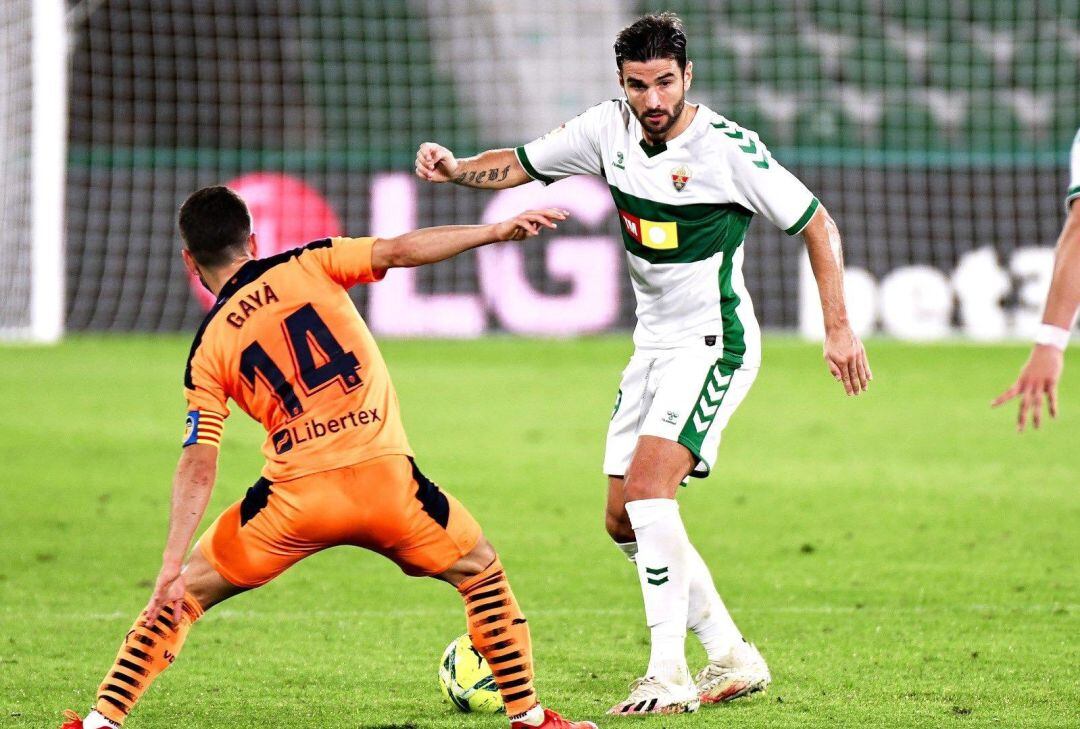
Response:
column 1040, row 374
column 430, row 245
column 844, row 353
column 495, row 169
column 193, row 483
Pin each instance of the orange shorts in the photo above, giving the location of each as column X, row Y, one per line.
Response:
column 385, row 505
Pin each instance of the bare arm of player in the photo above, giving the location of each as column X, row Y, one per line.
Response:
column 495, row 169
column 193, row 483
column 844, row 352
column 430, row 245
column 1040, row 374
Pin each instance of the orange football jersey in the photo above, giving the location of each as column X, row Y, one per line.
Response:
column 285, row 342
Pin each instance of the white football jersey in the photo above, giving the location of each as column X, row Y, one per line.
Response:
column 684, row 206
column 1074, row 170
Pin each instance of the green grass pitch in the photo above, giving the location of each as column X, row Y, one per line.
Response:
column 903, row 559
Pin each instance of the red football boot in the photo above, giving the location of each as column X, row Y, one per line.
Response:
column 553, row 721
column 73, row 720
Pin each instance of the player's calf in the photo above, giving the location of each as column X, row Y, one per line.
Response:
column 148, row 649
column 146, row 652
column 500, row 632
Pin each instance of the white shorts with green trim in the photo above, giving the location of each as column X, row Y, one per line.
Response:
column 686, row 395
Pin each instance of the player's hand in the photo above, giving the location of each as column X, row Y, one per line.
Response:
column 846, row 359
column 168, row 592
column 1038, row 378
column 435, row 163
column 529, row 223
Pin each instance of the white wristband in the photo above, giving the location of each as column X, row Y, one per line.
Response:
column 1053, row 336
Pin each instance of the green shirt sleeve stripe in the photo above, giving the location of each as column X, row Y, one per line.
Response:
column 801, row 222
column 529, row 169
column 1073, row 192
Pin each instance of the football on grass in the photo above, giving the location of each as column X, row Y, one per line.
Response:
column 466, row 679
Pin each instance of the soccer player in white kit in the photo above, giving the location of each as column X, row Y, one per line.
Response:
column 686, row 182
column 1040, row 374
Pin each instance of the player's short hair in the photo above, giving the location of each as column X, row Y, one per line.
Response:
column 653, row 36
column 215, row 225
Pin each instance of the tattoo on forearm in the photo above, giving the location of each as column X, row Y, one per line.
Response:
column 483, row 178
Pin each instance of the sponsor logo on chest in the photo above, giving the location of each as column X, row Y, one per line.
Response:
column 650, row 233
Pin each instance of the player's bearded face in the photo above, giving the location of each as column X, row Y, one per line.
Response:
column 656, row 91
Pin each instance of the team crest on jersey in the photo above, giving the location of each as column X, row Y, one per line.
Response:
column 680, row 176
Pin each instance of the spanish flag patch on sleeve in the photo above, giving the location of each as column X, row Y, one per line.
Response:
column 203, row 427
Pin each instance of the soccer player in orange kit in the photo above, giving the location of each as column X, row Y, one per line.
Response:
column 286, row 344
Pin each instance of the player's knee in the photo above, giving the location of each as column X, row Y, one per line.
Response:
column 205, row 584
column 481, row 557
column 636, row 489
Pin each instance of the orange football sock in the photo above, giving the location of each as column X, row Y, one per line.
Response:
column 499, row 631
column 146, row 652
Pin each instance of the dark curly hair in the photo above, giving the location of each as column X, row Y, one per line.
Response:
column 657, row 35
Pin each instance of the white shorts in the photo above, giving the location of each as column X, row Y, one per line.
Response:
column 686, row 395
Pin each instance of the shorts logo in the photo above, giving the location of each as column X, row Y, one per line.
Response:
column 649, row 233
column 671, row 418
column 283, row 441
column 680, row 176
column 191, row 428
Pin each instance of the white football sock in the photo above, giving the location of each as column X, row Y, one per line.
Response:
column 629, row 549
column 664, row 566
column 95, row 720
column 708, row 617
column 532, row 717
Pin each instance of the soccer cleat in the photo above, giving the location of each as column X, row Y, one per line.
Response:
column 650, row 695
column 553, row 721
column 718, row 682
column 93, row 719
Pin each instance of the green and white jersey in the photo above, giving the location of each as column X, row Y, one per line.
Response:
column 1074, row 172
column 684, row 207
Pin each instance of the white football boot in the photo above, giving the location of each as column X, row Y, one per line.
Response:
column 650, row 695
column 742, row 674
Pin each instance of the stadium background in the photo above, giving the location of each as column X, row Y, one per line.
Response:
column 903, row 559
column 932, row 130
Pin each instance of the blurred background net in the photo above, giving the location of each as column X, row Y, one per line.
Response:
column 16, row 77
column 931, row 130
